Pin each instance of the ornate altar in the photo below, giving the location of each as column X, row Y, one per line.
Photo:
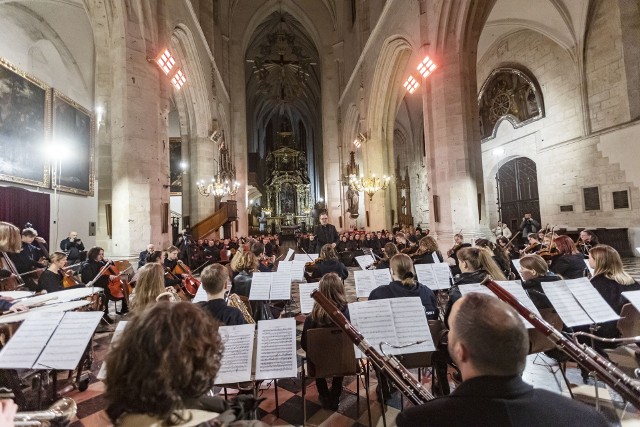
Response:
column 288, row 189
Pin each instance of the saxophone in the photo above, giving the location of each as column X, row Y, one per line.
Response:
column 235, row 301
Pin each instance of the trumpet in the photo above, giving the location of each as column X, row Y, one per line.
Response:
column 61, row 411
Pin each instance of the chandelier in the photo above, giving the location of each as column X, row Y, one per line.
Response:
column 266, row 211
column 369, row 184
column 224, row 183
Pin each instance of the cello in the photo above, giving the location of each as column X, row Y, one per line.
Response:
column 189, row 283
column 118, row 288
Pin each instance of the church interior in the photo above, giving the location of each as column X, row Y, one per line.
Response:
column 160, row 121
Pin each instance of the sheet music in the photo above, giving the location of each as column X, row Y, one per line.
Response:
column 277, row 357
column 69, row 341
column 426, row 276
column 102, row 374
column 24, row 348
column 201, row 295
column 411, row 325
column 591, row 270
column 365, row 261
column 514, row 287
column 436, row 260
column 297, row 270
column 280, row 286
column 284, row 266
column 475, row 287
column 235, row 365
column 290, row 253
column 53, row 308
column 306, row 302
column 16, row 294
column 442, row 272
column 382, row 276
column 374, row 320
column 633, row 297
column 72, row 294
column 260, row 286
column 365, row 282
column 516, row 265
column 565, row 304
column 305, row 257
column 591, row 301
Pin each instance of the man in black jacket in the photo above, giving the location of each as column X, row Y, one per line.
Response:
column 489, row 343
column 326, row 233
column 73, row 247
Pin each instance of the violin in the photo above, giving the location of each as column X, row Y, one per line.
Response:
column 189, row 283
column 118, row 287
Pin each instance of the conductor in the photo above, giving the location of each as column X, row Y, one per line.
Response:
column 489, row 343
column 325, row 232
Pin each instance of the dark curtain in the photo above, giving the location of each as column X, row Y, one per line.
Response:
column 19, row 206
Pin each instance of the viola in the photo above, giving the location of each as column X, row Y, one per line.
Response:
column 189, row 283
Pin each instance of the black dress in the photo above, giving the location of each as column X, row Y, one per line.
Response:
column 569, row 266
column 50, row 281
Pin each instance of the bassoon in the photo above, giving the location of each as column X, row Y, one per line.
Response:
column 390, row 367
column 584, row 355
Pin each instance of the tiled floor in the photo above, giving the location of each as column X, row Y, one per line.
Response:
column 91, row 402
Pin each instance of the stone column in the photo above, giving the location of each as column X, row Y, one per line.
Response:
column 202, row 167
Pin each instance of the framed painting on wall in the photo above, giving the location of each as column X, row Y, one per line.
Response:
column 24, row 125
column 73, row 128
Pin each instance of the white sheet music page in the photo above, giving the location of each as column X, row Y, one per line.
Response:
column 442, row 273
column 24, row 347
column 306, row 302
column 201, row 295
column 260, row 286
column 516, row 265
column 436, row 260
column 591, row 270
column 411, row 326
column 297, row 269
column 235, row 365
column 290, row 254
column 277, row 357
column 305, row 257
column 591, row 300
column 382, row 276
column 426, row 276
column 374, row 320
column 280, row 286
column 365, row 261
column 284, row 266
column 69, row 341
column 475, row 287
column 565, row 304
column 365, row 282
column 633, row 297
column 515, row 288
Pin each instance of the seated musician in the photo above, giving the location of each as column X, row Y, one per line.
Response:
column 534, row 244
column 507, row 248
column 327, row 262
column 535, row 271
column 73, row 247
column 312, row 245
column 153, row 381
column 246, row 265
column 90, row 269
column 10, row 243
column 214, row 279
column 331, row 287
column 51, row 278
column 159, row 257
column 489, row 344
column 427, row 247
column 568, row 262
column 149, row 284
column 144, row 254
column 497, row 254
column 28, row 258
column 389, row 251
column 171, row 260
column 588, row 240
column 452, row 253
column 265, row 263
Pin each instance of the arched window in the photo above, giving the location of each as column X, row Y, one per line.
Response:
column 509, row 94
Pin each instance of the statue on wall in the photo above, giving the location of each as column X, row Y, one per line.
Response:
column 353, row 198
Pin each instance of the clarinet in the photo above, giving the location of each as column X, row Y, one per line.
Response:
column 401, row 378
column 584, row 355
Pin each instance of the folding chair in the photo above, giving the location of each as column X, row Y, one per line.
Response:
column 339, row 362
column 624, row 356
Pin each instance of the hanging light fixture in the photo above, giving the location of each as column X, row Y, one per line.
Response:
column 369, row 184
column 224, row 183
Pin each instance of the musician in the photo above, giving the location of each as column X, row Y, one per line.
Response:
column 331, row 287
column 569, row 263
column 535, row 271
column 246, row 265
column 90, row 269
column 427, row 248
column 73, row 247
column 28, row 259
column 214, row 279
column 51, row 278
column 502, row 230
column 268, row 247
column 507, row 248
column 144, row 254
column 10, row 243
column 327, row 262
column 389, row 250
column 312, row 245
column 403, row 284
column 497, row 254
column 610, row 280
column 534, row 244
column 171, row 260
column 149, row 284
column 401, row 241
column 326, row 233
column 152, row 380
column 489, row 344
column 452, row 253
column 587, row 240
column 528, row 225
column 265, row 263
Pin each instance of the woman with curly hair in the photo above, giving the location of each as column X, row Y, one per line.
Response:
column 161, row 367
